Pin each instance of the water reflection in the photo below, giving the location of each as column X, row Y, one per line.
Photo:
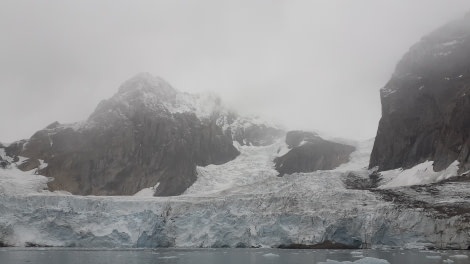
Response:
column 222, row 256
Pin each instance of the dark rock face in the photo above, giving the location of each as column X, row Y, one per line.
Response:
column 295, row 138
column 426, row 104
column 29, row 164
column 130, row 142
column 4, row 163
column 310, row 153
column 15, row 148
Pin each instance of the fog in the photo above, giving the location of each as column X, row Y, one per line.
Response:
column 315, row 65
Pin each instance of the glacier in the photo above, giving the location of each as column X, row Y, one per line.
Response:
column 242, row 203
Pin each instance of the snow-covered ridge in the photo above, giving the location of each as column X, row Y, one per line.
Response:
column 146, row 85
column 159, row 96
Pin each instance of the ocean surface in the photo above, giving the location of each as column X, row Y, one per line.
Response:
column 226, row 256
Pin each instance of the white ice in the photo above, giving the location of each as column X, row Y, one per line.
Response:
column 420, row 174
column 241, row 201
column 367, row 260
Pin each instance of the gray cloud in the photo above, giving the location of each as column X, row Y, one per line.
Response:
column 307, row 64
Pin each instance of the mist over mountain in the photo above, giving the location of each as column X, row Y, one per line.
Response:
column 425, row 105
column 147, row 135
column 231, row 180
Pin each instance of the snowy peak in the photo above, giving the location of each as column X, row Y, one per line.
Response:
column 147, row 86
column 157, row 94
column 150, row 94
column 145, row 92
column 204, row 105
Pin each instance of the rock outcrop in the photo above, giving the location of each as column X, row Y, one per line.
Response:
column 309, row 152
column 146, row 134
column 426, row 104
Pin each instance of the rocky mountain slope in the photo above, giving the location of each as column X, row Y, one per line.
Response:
column 309, row 152
column 426, row 104
column 147, row 135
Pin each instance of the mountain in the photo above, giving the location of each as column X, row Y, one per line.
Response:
column 225, row 168
column 426, row 104
column 147, row 135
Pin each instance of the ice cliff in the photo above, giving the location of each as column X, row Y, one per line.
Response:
column 242, row 204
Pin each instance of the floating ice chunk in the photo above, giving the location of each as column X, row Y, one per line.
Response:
column 356, row 253
column 448, row 261
column 367, row 260
column 459, row 256
column 168, row 257
column 434, row 257
column 270, row 255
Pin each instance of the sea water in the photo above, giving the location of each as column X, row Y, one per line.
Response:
column 226, row 256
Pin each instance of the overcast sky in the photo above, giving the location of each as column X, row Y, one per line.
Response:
column 305, row 64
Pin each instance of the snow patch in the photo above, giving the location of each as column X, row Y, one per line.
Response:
column 420, row 174
column 450, row 43
column 387, row 92
column 203, row 105
column 3, row 154
column 359, row 159
column 147, row 192
column 14, row 182
column 283, row 149
column 42, row 164
column 77, row 126
column 443, row 53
